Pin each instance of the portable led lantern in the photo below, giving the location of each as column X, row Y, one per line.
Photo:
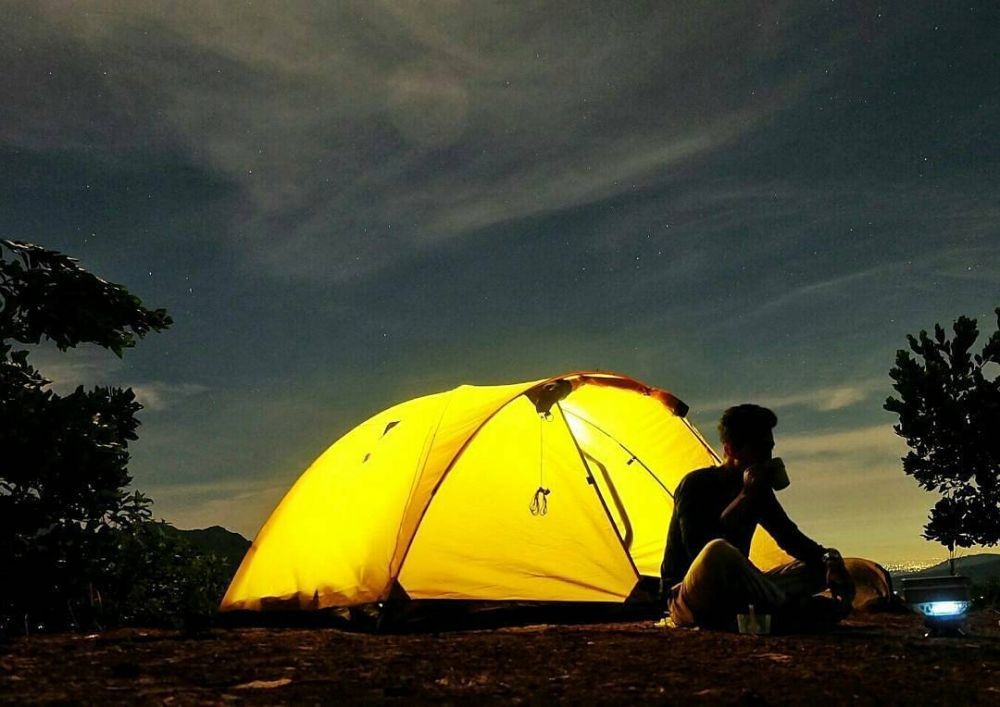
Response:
column 944, row 608
column 943, row 602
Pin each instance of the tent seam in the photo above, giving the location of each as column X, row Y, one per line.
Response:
column 593, row 482
column 634, row 455
column 701, row 439
column 454, row 460
column 444, row 474
column 421, row 465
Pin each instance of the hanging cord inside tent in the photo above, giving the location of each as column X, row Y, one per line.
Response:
column 540, row 503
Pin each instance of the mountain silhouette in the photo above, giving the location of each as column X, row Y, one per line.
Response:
column 214, row 540
column 978, row 568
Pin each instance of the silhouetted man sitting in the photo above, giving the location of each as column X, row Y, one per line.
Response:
column 707, row 577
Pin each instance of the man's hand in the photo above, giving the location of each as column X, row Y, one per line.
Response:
column 839, row 580
column 756, row 479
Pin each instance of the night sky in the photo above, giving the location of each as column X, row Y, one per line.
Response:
column 346, row 205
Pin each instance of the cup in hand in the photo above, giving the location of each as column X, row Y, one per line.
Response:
column 779, row 476
column 773, row 470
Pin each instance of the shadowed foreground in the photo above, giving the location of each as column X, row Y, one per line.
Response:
column 873, row 659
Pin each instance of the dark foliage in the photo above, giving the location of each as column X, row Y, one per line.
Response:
column 949, row 414
column 48, row 295
column 154, row 576
column 215, row 540
column 63, row 465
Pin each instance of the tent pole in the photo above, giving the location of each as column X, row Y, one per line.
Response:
column 593, row 482
column 630, row 452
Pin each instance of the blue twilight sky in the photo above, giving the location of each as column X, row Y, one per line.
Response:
column 344, row 205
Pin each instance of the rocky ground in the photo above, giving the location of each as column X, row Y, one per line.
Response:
column 873, row 659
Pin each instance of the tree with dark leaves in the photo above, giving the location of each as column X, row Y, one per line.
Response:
column 949, row 414
column 63, row 459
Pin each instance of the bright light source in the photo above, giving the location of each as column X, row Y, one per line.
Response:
column 945, row 608
column 943, row 602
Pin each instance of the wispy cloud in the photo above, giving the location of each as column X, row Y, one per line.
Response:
column 830, row 398
column 401, row 125
column 977, row 264
column 821, row 399
column 925, row 255
column 91, row 366
column 85, row 365
column 158, row 395
column 872, row 439
column 800, row 296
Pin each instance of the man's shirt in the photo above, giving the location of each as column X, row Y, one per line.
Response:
column 699, row 502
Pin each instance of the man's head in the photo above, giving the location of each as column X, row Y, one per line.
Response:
column 746, row 434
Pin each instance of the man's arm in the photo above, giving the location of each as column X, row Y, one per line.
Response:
column 757, row 503
column 798, row 545
column 788, row 536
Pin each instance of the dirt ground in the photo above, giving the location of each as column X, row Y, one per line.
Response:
column 873, row 659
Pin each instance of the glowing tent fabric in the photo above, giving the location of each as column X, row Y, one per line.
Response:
column 555, row 490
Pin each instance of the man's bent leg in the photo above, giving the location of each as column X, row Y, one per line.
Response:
column 797, row 579
column 720, row 583
column 806, row 609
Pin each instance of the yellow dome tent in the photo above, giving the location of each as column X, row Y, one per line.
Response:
column 553, row 490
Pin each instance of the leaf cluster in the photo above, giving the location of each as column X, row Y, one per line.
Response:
column 45, row 294
column 64, row 458
column 948, row 407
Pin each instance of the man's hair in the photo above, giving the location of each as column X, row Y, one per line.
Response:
column 741, row 424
